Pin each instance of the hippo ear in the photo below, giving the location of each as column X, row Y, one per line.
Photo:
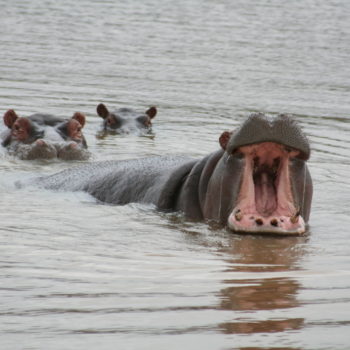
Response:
column 224, row 139
column 102, row 111
column 10, row 117
column 23, row 129
column 80, row 117
column 151, row 112
column 73, row 129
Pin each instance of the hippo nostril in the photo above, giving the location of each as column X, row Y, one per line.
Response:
column 40, row 142
column 274, row 222
column 259, row 222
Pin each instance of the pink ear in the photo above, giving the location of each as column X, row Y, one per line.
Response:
column 74, row 129
column 102, row 111
column 22, row 129
column 10, row 117
column 80, row 117
column 151, row 112
column 224, row 139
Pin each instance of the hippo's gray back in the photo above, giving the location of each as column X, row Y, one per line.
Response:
column 117, row 182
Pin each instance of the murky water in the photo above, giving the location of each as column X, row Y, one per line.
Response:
column 78, row 275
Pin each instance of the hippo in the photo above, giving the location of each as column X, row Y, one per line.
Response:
column 44, row 136
column 258, row 181
column 124, row 121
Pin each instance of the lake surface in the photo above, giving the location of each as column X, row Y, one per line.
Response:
column 78, row 275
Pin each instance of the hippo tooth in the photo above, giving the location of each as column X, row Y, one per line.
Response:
column 256, row 164
column 295, row 217
column 238, row 215
column 275, row 166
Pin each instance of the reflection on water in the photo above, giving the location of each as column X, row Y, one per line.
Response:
column 269, row 254
column 259, row 257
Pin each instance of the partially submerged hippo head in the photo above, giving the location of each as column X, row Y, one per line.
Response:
column 265, row 181
column 126, row 120
column 44, row 136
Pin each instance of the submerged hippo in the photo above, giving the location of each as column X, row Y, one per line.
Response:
column 44, row 136
column 258, row 182
column 126, row 120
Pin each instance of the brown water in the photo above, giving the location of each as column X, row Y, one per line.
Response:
column 78, row 275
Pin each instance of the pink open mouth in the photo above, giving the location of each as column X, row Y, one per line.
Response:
column 265, row 202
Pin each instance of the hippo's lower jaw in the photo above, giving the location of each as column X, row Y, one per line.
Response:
column 265, row 202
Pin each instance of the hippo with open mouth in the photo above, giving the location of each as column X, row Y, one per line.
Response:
column 258, row 182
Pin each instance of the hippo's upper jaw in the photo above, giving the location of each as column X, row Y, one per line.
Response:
column 276, row 189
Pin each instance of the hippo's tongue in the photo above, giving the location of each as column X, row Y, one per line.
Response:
column 265, row 194
column 265, row 202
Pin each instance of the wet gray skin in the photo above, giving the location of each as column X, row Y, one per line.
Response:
column 239, row 186
column 259, row 128
column 46, row 137
column 125, row 121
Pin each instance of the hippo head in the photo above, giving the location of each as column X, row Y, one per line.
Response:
column 43, row 136
column 22, row 129
column 126, row 120
column 270, row 189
